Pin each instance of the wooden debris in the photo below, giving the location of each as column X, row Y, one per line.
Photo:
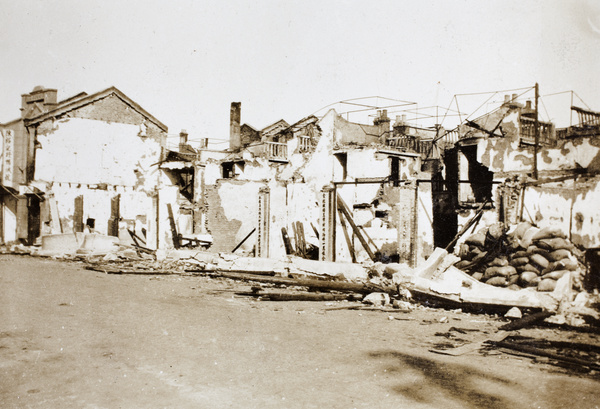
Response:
column 243, row 240
column 357, row 232
column 286, row 241
column 467, row 225
column 347, row 236
column 474, row 346
column 299, row 296
column 313, row 284
column 526, row 321
column 127, row 270
column 175, row 235
column 503, row 332
column 547, row 354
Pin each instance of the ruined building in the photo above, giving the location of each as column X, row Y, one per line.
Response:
column 285, row 182
column 84, row 163
column 554, row 182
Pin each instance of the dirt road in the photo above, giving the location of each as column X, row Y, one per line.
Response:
column 74, row 338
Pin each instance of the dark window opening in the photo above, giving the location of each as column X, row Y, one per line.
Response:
column 476, row 185
column 382, row 214
column 343, row 160
column 91, row 223
column 227, row 168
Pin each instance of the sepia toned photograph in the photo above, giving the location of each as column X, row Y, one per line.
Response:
column 300, row 204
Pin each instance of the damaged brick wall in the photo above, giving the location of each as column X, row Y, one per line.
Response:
column 232, row 213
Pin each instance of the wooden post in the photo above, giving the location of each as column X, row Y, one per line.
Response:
column 78, row 214
column 115, row 216
column 262, row 240
column 347, row 236
column 406, row 210
column 286, row 241
column 327, row 236
column 176, row 240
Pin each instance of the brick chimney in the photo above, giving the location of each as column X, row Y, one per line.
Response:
column 235, row 138
column 383, row 121
column 37, row 102
column 183, row 138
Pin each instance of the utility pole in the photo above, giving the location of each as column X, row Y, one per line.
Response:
column 537, row 132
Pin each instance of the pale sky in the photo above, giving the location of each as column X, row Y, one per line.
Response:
column 186, row 61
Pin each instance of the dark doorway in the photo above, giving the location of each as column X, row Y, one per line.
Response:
column 33, row 219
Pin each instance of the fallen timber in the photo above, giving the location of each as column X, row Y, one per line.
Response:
column 320, row 285
column 300, row 296
column 534, row 351
column 435, row 281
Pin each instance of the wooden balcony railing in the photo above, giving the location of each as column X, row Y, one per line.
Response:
column 411, row 144
column 305, row 144
column 547, row 134
column 276, row 151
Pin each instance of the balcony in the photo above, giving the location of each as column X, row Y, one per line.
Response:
column 276, row 151
column 547, row 133
column 411, row 144
column 305, row 144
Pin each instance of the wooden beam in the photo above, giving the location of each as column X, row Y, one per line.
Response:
column 286, row 241
column 347, row 236
column 466, row 227
column 243, row 240
column 344, row 209
column 327, row 285
column 176, row 239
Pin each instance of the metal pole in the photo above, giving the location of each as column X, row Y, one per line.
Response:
column 537, row 132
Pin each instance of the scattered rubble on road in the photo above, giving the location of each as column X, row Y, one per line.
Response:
column 476, row 279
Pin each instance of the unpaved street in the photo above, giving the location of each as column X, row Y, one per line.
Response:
column 74, row 338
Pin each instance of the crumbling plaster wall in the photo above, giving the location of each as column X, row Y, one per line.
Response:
column 100, row 159
column 585, row 223
column 232, row 213
column 504, row 155
column 353, row 133
column 570, row 206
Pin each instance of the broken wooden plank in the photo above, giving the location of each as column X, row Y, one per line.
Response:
column 243, row 240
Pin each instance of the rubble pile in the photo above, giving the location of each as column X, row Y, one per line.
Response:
column 524, row 257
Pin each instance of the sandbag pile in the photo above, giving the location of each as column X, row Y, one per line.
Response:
column 526, row 257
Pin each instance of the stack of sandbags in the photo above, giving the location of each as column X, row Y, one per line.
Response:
column 543, row 256
column 527, row 257
column 480, row 248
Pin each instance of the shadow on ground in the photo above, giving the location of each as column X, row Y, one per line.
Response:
column 431, row 382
